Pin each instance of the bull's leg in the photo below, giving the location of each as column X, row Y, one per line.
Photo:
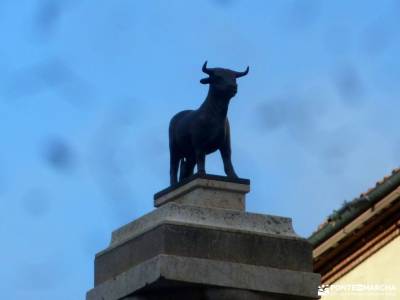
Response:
column 200, row 161
column 225, row 150
column 182, row 169
column 173, row 170
column 228, row 167
column 187, row 171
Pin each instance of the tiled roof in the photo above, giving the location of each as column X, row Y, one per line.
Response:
column 350, row 210
column 380, row 182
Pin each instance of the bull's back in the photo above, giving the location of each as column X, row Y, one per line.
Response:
column 178, row 117
column 180, row 120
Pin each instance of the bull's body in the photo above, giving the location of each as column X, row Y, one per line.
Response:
column 190, row 130
column 195, row 133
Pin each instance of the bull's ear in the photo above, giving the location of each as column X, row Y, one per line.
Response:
column 205, row 80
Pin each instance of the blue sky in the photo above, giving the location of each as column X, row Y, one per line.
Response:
column 87, row 89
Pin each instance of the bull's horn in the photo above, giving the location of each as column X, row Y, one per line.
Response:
column 205, row 69
column 241, row 74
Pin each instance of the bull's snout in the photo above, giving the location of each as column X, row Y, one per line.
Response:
column 233, row 88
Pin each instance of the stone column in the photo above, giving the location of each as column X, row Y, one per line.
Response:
column 199, row 243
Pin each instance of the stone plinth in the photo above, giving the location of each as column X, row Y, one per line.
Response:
column 192, row 248
column 208, row 191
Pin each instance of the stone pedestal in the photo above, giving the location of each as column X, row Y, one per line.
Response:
column 207, row 191
column 201, row 244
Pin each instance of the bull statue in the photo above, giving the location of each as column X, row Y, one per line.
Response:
column 195, row 133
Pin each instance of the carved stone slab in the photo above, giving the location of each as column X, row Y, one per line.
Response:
column 174, row 213
column 207, row 191
column 299, row 285
column 202, row 242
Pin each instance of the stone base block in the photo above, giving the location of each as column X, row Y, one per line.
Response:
column 201, row 244
column 209, row 293
column 164, row 270
column 173, row 213
column 207, row 191
column 191, row 241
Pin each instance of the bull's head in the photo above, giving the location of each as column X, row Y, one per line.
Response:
column 222, row 81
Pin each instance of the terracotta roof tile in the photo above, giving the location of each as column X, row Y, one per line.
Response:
column 363, row 196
